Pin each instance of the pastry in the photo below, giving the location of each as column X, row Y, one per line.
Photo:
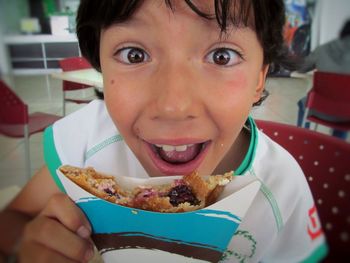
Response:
column 189, row 193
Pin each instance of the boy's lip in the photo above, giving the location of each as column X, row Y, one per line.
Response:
column 167, row 168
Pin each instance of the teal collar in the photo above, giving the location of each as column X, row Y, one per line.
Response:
column 248, row 159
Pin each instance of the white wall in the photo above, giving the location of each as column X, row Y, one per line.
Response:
column 4, row 68
column 10, row 14
column 329, row 18
column 3, row 55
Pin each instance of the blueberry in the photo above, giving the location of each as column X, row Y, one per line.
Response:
column 181, row 194
column 108, row 191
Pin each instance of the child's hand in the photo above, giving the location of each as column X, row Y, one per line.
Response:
column 60, row 233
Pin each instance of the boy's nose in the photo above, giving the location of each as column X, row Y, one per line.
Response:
column 175, row 96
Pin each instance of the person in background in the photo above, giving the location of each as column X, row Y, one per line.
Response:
column 333, row 56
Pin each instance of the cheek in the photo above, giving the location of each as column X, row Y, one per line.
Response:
column 233, row 103
column 235, row 92
column 126, row 102
column 119, row 94
column 111, row 93
column 119, row 104
column 236, row 86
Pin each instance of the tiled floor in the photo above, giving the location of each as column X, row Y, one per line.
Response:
column 280, row 106
column 40, row 97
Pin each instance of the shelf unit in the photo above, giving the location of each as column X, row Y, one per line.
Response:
column 39, row 54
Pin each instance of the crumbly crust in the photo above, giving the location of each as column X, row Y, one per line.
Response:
column 152, row 198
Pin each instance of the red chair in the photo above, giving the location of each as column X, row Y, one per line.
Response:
column 15, row 121
column 70, row 64
column 330, row 96
column 325, row 161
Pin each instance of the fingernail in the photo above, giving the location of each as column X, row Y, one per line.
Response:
column 89, row 253
column 83, row 232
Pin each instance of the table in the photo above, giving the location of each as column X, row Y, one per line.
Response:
column 296, row 74
column 89, row 77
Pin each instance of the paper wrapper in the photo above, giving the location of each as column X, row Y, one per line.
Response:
column 124, row 234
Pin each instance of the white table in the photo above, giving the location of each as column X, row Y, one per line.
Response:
column 306, row 77
column 89, row 77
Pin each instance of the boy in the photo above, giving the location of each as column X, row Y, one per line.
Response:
column 180, row 78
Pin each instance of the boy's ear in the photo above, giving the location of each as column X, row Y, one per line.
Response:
column 261, row 83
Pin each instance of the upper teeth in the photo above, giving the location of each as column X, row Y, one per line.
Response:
column 170, row 148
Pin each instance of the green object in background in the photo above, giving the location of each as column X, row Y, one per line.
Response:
column 10, row 14
column 49, row 7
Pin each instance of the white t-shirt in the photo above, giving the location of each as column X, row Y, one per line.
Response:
column 281, row 225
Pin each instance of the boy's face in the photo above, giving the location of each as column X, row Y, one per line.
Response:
column 178, row 93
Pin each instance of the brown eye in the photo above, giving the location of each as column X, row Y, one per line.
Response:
column 223, row 57
column 132, row 55
column 136, row 56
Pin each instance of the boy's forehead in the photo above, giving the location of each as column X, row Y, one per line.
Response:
column 148, row 12
column 150, row 9
column 207, row 6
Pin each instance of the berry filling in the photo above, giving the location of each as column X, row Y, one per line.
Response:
column 107, row 187
column 182, row 194
column 145, row 193
column 109, row 192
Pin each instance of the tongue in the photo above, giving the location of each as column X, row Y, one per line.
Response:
column 180, row 157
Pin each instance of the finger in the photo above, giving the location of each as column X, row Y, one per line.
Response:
column 37, row 253
column 62, row 208
column 55, row 236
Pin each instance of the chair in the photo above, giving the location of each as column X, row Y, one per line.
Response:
column 15, row 121
column 70, row 64
column 325, row 161
column 329, row 96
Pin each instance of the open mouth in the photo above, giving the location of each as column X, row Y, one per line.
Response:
column 178, row 159
column 178, row 154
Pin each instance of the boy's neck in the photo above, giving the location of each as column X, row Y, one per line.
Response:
column 236, row 154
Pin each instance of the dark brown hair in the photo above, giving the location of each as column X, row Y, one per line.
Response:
column 345, row 31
